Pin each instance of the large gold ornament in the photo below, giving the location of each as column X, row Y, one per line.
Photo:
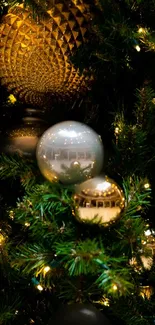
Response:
column 35, row 53
column 99, row 200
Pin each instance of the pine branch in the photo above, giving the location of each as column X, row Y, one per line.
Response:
column 14, row 167
column 136, row 310
column 8, row 305
column 116, row 281
column 28, row 258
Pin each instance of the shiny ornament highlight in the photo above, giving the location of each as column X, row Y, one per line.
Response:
column 99, row 200
column 70, row 152
column 79, row 314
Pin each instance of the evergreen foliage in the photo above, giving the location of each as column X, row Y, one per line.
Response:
column 42, row 244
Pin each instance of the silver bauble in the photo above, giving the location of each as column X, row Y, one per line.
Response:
column 99, row 200
column 70, row 152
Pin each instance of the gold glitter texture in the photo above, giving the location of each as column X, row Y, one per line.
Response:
column 35, row 53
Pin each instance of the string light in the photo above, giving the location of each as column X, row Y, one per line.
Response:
column 147, row 185
column 142, row 30
column 147, row 232
column 11, row 214
column 27, row 224
column 46, row 269
column 39, row 287
column 117, row 130
column 114, row 287
column 106, row 302
column 137, row 47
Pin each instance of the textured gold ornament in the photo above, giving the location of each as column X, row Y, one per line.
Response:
column 35, row 53
column 99, row 200
column 146, row 292
column 146, row 263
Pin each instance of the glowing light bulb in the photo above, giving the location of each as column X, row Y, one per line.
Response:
column 147, row 185
column 116, row 130
column 147, row 232
column 106, row 302
column 39, row 287
column 46, row 269
column 27, row 224
column 141, row 30
column 137, row 47
column 114, row 287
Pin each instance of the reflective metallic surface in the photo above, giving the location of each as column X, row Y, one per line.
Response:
column 35, row 53
column 23, row 138
column 70, row 152
column 99, row 198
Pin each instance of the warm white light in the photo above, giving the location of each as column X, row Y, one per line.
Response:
column 141, row 30
column 27, row 224
column 116, row 130
column 39, row 287
column 137, row 47
column 147, row 185
column 106, row 302
column 103, row 186
column 147, row 232
column 46, row 269
column 114, row 287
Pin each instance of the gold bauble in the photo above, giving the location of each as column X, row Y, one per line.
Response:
column 99, row 200
column 147, row 262
column 35, row 53
column 146, row 292
column 23, row 138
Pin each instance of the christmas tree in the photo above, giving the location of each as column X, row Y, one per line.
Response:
column 90, row 241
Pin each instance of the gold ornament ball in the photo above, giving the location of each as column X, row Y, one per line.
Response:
column 23, row 138
column 99, row 200
column 35, row 53
column 146, row 291
column 147, row 263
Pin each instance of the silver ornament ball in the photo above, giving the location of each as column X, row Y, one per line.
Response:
column 70, row 152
